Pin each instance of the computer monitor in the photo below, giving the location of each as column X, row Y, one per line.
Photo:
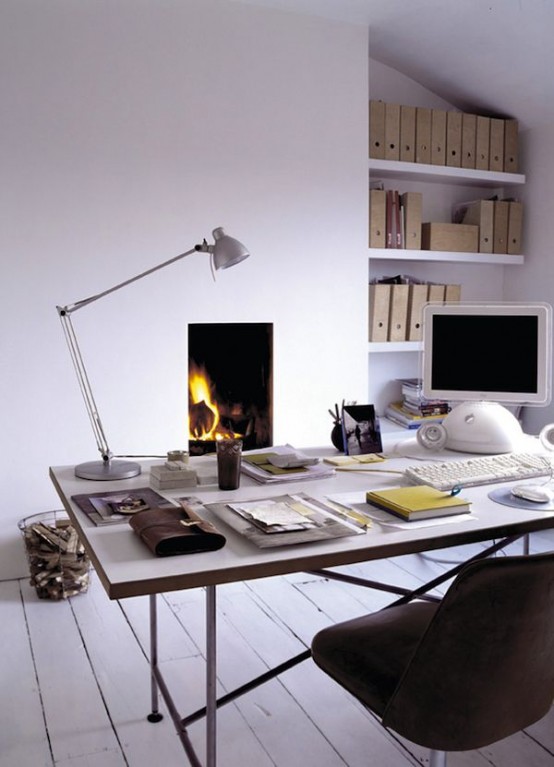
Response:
column 484, row 355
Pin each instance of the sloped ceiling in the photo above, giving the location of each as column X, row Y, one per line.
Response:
column 494, row 56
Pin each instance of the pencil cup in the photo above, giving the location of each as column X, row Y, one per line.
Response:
column 229, row 453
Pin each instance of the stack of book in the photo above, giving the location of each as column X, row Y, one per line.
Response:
column 414, row 409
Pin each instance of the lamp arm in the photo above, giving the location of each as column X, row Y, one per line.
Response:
column 65, row 313
column 84, row 385
column 70, row 308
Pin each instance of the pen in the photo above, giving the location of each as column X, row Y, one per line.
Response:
column 349, row 513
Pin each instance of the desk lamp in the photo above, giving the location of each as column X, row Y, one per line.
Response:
column 225, row 252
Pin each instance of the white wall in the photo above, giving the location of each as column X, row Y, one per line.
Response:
column 130, row 129
column 535, row 280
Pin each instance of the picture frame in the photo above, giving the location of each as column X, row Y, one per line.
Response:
column 361, row 430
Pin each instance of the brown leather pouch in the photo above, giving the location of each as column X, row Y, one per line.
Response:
column 170, row 531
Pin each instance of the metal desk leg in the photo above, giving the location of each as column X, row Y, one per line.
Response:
column 211, row 677
column 158, row 684
column 155, row 715
column 526, row 544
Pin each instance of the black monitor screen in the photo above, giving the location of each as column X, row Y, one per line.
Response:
column 485, row 353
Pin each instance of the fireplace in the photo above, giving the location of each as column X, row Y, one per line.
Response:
column 230, row 384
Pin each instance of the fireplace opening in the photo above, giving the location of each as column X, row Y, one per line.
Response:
column 230, row 384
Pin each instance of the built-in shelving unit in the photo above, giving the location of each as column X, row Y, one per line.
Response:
column 449, row 177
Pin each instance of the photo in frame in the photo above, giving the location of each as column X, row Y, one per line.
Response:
column 361, row 430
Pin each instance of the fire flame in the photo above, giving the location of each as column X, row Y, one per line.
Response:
column 203, row 411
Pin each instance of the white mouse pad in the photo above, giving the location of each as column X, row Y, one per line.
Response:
column 504, row 495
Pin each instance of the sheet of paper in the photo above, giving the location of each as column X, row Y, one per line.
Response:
column 274, row 513
column 356, row 500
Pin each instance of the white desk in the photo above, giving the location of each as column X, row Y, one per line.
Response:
column 127, row 568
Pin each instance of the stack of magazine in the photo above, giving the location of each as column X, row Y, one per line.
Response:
column 256, row 464
column 414, row 409
column 284, row 519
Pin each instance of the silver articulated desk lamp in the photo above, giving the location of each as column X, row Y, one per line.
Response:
column 225, row 252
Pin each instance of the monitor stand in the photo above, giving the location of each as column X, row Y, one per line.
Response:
column 471, row 427
column 482, row 427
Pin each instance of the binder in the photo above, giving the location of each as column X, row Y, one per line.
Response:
column 377, row 218
column 469, row 139
column 398, row 313
column 452, row 293
column 379, row 303
column 454, row 139
column 397, row 221
column 407, row 133
column 515, row 220
column 511, row 137
column 392, row 131
column 496, row 151
column 478, row 213
column 438, row 137
column 482, row 143
column 501, row 214
column 377, row 130
column 393, row 220
column 390, row 242
column 417, row 298
column 423, row 135
column 436, row 292
column 411, row 208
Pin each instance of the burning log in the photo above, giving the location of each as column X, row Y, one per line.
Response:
column 202, row 420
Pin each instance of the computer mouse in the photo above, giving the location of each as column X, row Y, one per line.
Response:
column 534, row 493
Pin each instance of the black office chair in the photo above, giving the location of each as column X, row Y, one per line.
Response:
column 460, row 674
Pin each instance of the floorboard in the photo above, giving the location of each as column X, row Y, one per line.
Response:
column 76, row 683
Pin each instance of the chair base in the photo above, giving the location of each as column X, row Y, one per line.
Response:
column 437, row 759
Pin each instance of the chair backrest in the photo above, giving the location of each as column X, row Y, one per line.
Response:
column 484, row 668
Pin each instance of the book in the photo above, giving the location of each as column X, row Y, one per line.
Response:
column 115, row 506
column 425, row 408
column 418, row 502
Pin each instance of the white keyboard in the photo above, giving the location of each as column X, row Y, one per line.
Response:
column 481, row 470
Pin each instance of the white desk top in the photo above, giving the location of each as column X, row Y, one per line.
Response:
column 127, row 568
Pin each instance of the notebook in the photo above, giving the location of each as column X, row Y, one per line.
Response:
column 418, row 502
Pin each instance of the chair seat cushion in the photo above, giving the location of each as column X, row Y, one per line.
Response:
column 368, row 655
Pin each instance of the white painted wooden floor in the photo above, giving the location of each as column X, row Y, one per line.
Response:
column 75, row 680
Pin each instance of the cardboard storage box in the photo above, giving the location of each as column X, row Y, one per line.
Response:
column 461, row 238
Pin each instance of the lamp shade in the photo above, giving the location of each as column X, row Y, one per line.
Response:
column 226, row 250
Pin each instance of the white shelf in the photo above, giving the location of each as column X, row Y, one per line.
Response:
column 403, row 254
column 394, row 346
column 443, row 174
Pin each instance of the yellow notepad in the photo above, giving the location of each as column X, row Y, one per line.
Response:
column 418, row 502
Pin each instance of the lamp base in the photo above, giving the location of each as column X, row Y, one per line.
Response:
column 107, row 470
